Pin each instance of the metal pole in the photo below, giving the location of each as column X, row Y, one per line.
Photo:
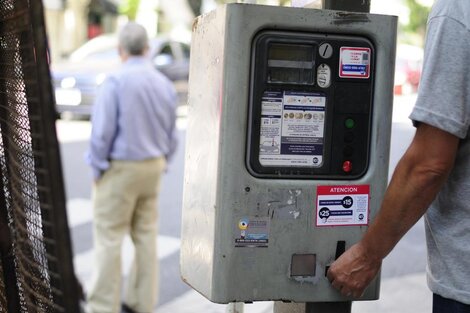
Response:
column 235, row 307
column 362, row 6
column 328, row 307
column 313, row 307
column 339, row 5
column 347, row 5
column 281, row 307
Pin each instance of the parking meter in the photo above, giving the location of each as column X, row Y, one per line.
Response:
column 287, row 148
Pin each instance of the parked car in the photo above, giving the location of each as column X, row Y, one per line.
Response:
column 408, row 66
column 77, row 80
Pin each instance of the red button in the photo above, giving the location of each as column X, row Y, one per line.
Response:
column 347, row 166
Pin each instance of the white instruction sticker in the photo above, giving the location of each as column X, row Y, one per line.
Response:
column 292, row 129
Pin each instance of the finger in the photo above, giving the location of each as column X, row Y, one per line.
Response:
column 337, row 285
column 330, row 276
column 346, row 292
column 358, row 293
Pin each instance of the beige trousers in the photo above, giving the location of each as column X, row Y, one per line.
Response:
column 125, row 202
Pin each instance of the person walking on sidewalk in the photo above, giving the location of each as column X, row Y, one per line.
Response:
column 433, row 176
column 133, row 136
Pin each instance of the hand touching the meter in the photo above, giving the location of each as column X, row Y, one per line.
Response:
column 415, row 183
column 352, row 272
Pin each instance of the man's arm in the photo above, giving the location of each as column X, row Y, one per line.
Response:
column 416, row 181
column 104, row 127
column 172, row 135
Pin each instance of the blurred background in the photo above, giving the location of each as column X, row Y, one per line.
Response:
column 83, row 49
column 83, row 42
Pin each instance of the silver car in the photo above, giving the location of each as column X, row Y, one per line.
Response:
column 77, row 80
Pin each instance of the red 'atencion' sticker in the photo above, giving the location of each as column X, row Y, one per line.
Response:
column 346, row 205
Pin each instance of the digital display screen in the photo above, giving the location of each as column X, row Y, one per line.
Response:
column 290, row 64
column 288, row 52
column 286, row 75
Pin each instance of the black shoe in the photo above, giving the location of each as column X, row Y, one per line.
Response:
column 126, row 309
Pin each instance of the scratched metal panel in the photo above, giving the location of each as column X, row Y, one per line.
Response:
column 220, row 192
column 202, row 160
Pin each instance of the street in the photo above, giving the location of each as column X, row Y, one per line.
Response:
column 406, row 262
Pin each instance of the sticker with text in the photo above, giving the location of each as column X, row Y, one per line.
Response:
column 342, row 205
column 252, row 232
column 354, row 62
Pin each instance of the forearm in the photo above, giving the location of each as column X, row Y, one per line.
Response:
column 411, row 191
column 416, row 181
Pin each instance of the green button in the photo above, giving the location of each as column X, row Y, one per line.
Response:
column 349, row 123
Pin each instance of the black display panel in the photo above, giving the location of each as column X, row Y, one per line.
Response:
column 290, row 52
column 290, row 63
column 310, row 105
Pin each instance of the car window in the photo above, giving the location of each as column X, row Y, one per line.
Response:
column 166, row 49
column 96, row 49
column 186, row 50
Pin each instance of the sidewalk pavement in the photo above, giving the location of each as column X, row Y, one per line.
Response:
column 405, row 294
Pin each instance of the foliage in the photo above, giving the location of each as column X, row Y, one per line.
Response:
column 281, row 2
column 129, row 8
column 418, row 17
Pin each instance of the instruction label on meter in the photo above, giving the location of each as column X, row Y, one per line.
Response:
column 292, row 129
column 342, row 205
column 252, row 232
column 354, row 62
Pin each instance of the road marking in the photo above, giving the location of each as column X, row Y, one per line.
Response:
column 79, row 212
column 192, row 301
column 84, row 262
column 70, row 131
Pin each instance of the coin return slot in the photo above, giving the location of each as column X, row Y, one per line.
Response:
column 303, row 265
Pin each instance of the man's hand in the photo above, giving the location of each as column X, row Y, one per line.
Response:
column 353, row 271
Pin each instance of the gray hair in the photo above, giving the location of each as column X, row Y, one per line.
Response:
column 133, row 39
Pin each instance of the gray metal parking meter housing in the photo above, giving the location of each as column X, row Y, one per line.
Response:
column 287, row 148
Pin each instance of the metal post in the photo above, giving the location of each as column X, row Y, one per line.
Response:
column 362, row 6
column 313, row 307
column 339, row 5
column 281, row 307
column 347, row 5
column 235, row 307
column 328, row 307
